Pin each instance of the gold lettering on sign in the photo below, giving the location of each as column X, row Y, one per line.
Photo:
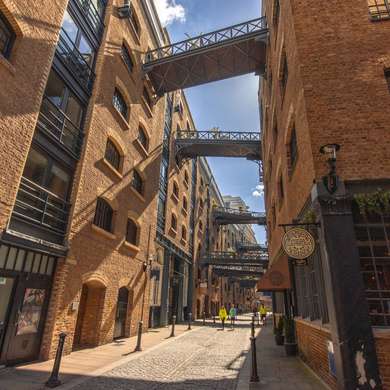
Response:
column 298, row 243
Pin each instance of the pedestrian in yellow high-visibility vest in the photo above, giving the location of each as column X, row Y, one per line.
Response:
column 222, row 316
column 263, row 313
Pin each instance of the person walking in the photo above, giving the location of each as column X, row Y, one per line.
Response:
column 233, row 315
column 222, row 316
column 263, row 313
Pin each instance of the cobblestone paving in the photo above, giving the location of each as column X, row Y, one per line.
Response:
column 204, row 359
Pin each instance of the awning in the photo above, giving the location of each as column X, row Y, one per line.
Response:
column 277, row 277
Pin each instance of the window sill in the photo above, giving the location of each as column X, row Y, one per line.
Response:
column 103, row 232
column 134, row 31
column 183, row 241
column 184, row 212
column 186, row 184
column 7, row 64
column 130, row 73
column 141, row 147
column 172, row 232
column 147, row 108
column 112, row 169
column 133, row 248
column 137, row 194
column 121, row 119
column 175, row 198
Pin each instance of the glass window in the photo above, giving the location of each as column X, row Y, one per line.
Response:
column 120, row 104
column 74, row 110
column 7, row 36
column 174, row 222
column 175, row 190
column 142, row 138
column 36, row 167
column 112, row 155
column 147, row 98
column 127, row 58
column 135, row 22
column 55, row 89
column 132, row 232
column 137, row 182
column 293, row 148
column 103, row 215
column 184, row 233
column 70, row 28
column 379, row 9
column 58, row 181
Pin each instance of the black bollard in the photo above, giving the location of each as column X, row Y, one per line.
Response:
column 214, row 319
column 53, row 381
column 223, row 324
column 254, row 375
column 139, row 337
column 253, row 327
column 204, row 318
column 173, row 326
column 189, row 321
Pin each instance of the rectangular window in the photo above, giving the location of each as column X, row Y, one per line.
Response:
column 379, row 9
column 127, row 58
column 7, row 36
column 275, row 18
column 293, row 148
column 283, row 75
column 387, row 76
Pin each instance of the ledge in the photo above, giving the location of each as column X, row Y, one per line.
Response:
column 137, row 194
column 172, row 232
column 103, row 232
column 175, row 198
column 313, row 324
column 184, row 212
column 186, row 184
column 121, row 119
column 147, row 108
column 183, row 241
column 381, row 333
column 112, row 169
column 136, row 36
column 133, row 248
column 141, row 147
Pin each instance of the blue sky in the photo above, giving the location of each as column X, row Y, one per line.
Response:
column 229, row 104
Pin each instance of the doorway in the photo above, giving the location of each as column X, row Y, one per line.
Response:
column 90, row 314
column 121, row 313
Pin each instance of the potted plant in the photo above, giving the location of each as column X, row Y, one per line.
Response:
column 290, row 344
column 279, row 338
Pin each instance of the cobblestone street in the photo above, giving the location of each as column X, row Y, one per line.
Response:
column 208, row 358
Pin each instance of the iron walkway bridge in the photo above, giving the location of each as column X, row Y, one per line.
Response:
column 234, row 259
column 246, row 247
column 221, row 54
column 227, row 216
column 192, row 144
column 239, row 272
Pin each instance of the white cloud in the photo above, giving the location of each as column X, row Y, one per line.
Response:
column 170, row 12
column 259, row 191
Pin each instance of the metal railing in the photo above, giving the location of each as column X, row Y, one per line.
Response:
column 75, row 61
column 55, row 122
column 92, row 14
column 218, row 136
column 41, row 207
column 240, row 213
column 245, row 247
column 234, row 257
column 241, row 30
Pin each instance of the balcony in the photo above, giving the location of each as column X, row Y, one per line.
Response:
column 93, row 15
column 40, row 213
column 77, row 64
column 57, row 125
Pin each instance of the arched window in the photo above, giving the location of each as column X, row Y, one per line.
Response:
column 200, row 225
column 201, row 205
column 7, row 36
column 147, row 98
column 103, row 215
column 183, row 233
column 137, row 182
column 135, row 22
column 132, row 232
column 174, row 222
column 142, row 138
column 186, row 178
column 185, row 203
column 127, row 58
column 112, row 155
column 119, row 103
column 175, row 190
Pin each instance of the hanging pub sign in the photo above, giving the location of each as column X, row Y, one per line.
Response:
column 298, row 244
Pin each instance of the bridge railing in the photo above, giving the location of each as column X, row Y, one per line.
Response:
column 206, row 40
column 241, row 213
column 218, row 135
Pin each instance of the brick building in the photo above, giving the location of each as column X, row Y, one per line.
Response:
column 327, row 70
column 100, row 226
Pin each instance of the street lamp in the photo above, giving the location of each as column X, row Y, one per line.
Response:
column 331, row 180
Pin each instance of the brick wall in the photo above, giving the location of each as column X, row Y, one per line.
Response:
column 313, row 350
column 382, row 341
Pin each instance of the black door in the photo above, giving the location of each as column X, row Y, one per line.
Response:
column 6, row 292
column 121, row 313
column 26, row 320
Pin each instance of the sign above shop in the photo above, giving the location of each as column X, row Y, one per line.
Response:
column 298, row 243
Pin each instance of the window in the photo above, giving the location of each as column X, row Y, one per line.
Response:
column 201, row 204
column 41, row 169
column 185, row 203
column 7, row 36
column 174, row 222
column 175, row 190
column 379, row 9
column 293, row 148
column 132, row 232
column 142, row 138
column 200, row 225
column 275, row 134
column 275, row 18
column 134, row 21
column 120, row 104
column 281, row 188
column 387, row 76
column 186, row 178
column 147, row 98
column 103, row 215
column 137, row 182
column 283, row 74
column 112, row 155
column 127, row 58
column 270, row 84
column 183, row 233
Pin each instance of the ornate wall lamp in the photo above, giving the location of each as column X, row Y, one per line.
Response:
column 331, row 180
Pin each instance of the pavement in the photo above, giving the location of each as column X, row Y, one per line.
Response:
column 205, row 358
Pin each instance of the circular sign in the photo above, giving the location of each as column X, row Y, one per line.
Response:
column 298, row 243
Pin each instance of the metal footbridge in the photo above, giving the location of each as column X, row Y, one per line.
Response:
column 218, row 55
column 227, row 216
column 192, row 144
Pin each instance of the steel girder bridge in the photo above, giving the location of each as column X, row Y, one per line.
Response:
column 238, row 272
column 247, row 247
column 234, row 259
column 221, row 54
column 227, row 216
